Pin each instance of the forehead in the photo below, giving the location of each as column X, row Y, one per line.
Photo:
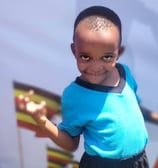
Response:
column 96, row 29
column 96, row 22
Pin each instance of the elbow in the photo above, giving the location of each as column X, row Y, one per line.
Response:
column 72, row 147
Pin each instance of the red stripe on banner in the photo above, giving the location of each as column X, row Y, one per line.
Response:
column 59, row 160
column 31, row 127
column 156, row 164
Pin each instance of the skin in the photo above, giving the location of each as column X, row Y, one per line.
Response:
column 96, row 53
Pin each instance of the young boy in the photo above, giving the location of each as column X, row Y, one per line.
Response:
column 101, row 103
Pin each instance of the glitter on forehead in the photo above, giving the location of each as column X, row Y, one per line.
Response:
column 98, row 23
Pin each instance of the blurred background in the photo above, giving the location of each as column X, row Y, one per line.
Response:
column 35, row 38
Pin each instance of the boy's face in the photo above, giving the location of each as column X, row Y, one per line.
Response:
column 96, row 52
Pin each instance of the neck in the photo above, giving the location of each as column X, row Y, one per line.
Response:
column 113, row 78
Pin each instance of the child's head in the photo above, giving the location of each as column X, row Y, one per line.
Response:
column 101, row 12
column 96, row 43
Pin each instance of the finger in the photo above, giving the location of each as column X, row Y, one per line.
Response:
column 28, row 96
column 21, row 97
column 31, row 107
column 30, row 93
column 42, row 106
column 20, row 102
column 43, row 103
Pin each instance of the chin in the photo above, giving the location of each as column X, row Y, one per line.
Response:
column 96, row 82
column 93, row 80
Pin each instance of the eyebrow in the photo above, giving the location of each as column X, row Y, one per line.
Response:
column 109, row 53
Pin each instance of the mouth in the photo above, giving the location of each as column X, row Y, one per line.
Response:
column 95, row 74
column 93, row 77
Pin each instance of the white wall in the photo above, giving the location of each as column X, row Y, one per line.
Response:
column 35, row 39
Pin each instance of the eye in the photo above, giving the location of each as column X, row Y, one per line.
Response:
column 85, row 57
column 108, row 58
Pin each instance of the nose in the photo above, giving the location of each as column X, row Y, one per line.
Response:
column 95, row 67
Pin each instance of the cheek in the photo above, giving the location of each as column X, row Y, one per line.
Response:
column 109, row 66
column 81, row 66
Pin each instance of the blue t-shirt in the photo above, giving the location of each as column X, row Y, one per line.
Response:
column 109, row 117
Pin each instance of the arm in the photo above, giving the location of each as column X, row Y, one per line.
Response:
column 61, row 138
column 149, row 115
column 38, row 113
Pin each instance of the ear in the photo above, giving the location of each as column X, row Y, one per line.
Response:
column 121, row 50
column 73, row 48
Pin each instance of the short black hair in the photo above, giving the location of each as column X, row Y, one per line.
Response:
column 99, row 11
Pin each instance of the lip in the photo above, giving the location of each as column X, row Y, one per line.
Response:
column 95, row 74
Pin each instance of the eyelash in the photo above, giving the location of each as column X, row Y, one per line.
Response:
column 85, row 57
column 107, row 58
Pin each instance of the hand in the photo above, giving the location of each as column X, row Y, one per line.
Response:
column 34, row 109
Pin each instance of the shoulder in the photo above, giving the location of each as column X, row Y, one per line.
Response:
column 124, row 67
column 73, row 92
column 126, row 70
column 129, row 77
column 71, row 88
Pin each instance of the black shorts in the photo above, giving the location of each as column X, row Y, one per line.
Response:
column 138, row 161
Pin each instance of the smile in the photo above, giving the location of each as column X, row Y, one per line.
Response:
column 95, row 74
